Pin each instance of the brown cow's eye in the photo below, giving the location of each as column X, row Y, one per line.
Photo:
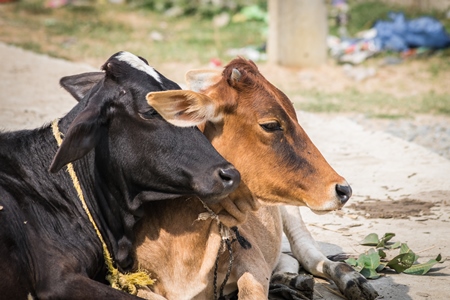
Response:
column 271, row 126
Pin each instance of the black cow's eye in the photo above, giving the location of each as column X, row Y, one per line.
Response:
column 271, row 126
column 149, row 114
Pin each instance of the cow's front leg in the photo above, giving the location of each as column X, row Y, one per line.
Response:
column 350, row 282
column 250, row 288
column 146, row 293
column 286, row 279
column 252, row 271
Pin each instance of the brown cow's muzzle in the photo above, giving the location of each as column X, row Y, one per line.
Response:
column 336, row 196
column 343, row 192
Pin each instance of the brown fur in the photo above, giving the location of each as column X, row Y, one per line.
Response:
column 280, row 167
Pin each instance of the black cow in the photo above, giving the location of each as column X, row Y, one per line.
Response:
column 123, row 155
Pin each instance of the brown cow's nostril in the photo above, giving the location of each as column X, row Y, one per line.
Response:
column 344, row 192
column 230, row 177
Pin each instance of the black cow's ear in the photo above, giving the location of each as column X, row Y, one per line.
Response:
column 83, row 135
column 79, row 85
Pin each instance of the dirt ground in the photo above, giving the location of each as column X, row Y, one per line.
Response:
column 399, row 186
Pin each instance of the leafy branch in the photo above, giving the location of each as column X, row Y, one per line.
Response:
column 373, row 261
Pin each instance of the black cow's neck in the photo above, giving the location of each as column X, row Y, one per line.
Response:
column 48, row 202
column 117, row 216
column 108, row 201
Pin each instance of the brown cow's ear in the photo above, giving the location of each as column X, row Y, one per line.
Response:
column 184, row 108
column 201, row 80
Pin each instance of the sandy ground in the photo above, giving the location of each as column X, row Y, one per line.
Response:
column 398, row 186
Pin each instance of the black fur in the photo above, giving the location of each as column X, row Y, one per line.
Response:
column 48, row 247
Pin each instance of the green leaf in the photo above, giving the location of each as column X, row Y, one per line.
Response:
column 381, row 253
column 405, row 249
column 381, row 267
column 369, row 263
column 402, row 262
column 351, row 261
column 386, row 237
column 358, row 268
column 394, row 246
column 422, row 269
column 369, row 273
column 354, row 263
column 371, row 260
column 370, row 240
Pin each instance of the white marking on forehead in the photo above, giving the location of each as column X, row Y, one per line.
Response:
column 139, row 64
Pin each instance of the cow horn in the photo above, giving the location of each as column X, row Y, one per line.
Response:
column 235, row 75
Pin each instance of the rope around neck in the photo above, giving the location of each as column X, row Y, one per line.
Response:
column 228, row 242
column 126, row 282
column 226, row 238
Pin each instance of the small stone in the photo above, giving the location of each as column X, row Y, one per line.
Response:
column 422, row 294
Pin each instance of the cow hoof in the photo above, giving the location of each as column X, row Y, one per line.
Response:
column 352, row 284
column 359, row 289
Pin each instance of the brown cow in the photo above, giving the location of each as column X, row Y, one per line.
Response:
column 256, row 128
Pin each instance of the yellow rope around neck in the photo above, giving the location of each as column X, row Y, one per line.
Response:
column 126, row 282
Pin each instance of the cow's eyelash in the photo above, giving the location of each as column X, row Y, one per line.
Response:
column 151, row 113
column 271, row 126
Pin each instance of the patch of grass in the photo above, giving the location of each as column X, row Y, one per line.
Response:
column 32, row 46
column 97, row 31
column 34, row 7
column 435, row 104
column 389, row 116
column 363, row 15
column 439, row 64
column 378, row 105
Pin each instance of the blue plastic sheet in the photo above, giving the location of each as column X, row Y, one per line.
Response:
column 401, row 34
